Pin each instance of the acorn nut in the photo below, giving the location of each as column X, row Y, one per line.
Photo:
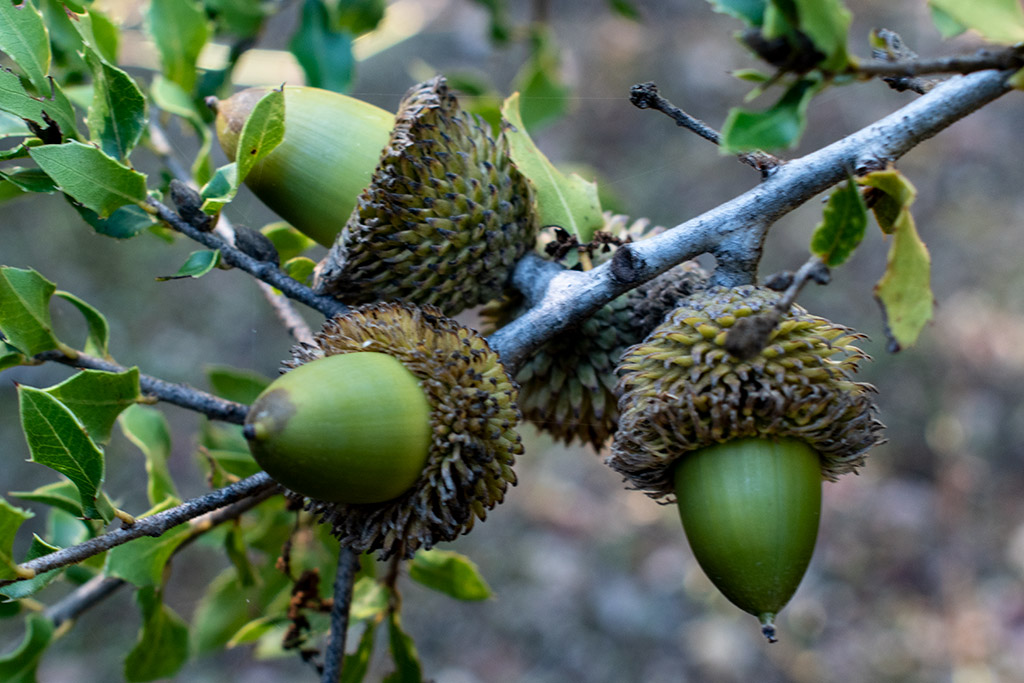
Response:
column 332, row 143
column 742, row 444
column 351, row 428
column 396, row 427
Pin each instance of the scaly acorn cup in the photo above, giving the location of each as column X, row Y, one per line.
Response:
column 567, row 387
column 445, row 218
column 742, row 445
column 396, row 427
column 331, row 145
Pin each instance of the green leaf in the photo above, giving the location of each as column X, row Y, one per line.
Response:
column 142, row 561
column 842, row 227
column 99, row 331
column 23, row 589
column 1016, row 80
column 25, row 310
column 449, row 573
column 57, row 439
column 162, row 648
column 288, row 241
column 223, row 610
column 357, row 663
column 750, row 11
column 198, row 264
column 242, row 18
column 300, row 268
column 20, row 665
column 543, row 96
column 125, row 223
column 90, row 177
column 234, row 384
column 262, row 132
column 60, row 494
column 325, row 54
column 10, row 519
column 97, row 398
column 1001, row 21
column 10, row 356
column 117, row 116
column 947, row 25
column 500, row 27
column 624, row 8
column 254, row 630
column 369, row 599
column 180, row 30
column 29, row 179
column 567, row 201
column 403, row 652
column 147, row 428
column 220, row 189
column 99, row 33
column 14, row 100
column 234, row 545
column 776, row 128
column 23, row 37
column 359, row 16
column 169, row 96
column 826, row 23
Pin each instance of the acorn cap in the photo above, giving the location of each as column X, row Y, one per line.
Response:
column 473, row 415
column 444, row 219
column 567, row 387
column 681, row 391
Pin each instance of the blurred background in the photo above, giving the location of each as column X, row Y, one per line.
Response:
column 919, row 570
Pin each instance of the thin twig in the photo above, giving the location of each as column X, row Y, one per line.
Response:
column 646, row 96
column 982, row 60
column 154, row 525
column 261, row 270
column 286, row 313
column 90, row 593
column 179, row 394
column 100, row 587
column 334, row 656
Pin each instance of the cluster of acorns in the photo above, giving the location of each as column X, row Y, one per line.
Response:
column 397, row 426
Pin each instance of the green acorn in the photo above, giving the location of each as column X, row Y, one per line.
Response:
column 396, row 427
column 743, row 444
column 332, row 143
column 567, row 387
column 445, row 218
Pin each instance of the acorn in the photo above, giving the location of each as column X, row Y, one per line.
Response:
column 567, row 386
column 332, row 143
column 742, row 445
column 396, row 427
column 445, row 217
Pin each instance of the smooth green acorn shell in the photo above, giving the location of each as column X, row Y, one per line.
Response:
column 750, row 509
column 351, row 428
column 332, row 143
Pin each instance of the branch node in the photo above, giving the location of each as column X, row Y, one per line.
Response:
column 626, row 265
